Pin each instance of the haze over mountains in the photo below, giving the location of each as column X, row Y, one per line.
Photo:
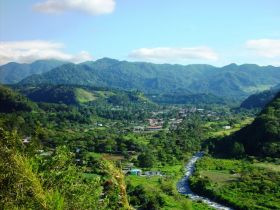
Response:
column 231, row 81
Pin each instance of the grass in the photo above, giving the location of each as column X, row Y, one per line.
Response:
column 220, row 177
column 259, row 88
column 269, row 166
column 242, row 184
column 172, row 201
column 234, row 128
column 84, row 96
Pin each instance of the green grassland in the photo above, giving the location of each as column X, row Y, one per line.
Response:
column 165, row 187
column 223, row 132
column 239, row 183
column 84, row 96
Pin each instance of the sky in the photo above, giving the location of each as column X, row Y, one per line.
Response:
column 215, row 32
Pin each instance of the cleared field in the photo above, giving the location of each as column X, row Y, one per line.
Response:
column 269, row 166
column 220, row 177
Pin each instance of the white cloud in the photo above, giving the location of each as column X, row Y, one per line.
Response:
column 29, row 51
column 173, row 55
column 92, row 7
column 267, row 48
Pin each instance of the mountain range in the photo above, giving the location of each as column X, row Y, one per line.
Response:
column 231, row 81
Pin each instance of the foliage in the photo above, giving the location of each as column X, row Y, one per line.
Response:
column 12, row 73
column 259, row 100
column 11, row 101
column 35, row 182
column 260, row 138
column 237, row 183
column 230, row 81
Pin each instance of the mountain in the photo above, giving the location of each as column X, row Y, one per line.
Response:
column 12, row 73
column 229, row 81
column 260, row 138
column 11, row 101
column 77, row 94
column 259, row 100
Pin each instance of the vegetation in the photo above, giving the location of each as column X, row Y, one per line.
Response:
column 13, row 102
column 259, row 100
column 54, row 182
column 230, row 81
column 64, row 146
column 12, row 73
column 260, row 138
column 239, row 183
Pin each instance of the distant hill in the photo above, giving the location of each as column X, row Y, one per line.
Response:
column 12, row 73
column 260, row 138
column 230, row 81
column 77, row 94
column 11, row 101
column 259, row 100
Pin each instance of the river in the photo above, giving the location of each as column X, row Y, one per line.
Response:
column 184, row 188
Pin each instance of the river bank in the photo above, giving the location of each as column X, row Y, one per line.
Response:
column 183, row 186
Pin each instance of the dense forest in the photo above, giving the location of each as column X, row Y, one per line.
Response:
column 230, row 81
column 260, row 138
column 259, row 100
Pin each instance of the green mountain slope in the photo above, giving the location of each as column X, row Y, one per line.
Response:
column 259, row 100
column 75, row 94
column 11, row 101
column 14, row 72
column 229, row 81
column 260, row 138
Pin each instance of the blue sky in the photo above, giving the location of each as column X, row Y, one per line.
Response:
column 216, row 32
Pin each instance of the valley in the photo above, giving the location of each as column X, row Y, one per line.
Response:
column 132, row 148
column 139, row 105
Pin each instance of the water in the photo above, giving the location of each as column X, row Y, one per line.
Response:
column 183, row 186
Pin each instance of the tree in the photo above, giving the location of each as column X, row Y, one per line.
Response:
column 146, row 159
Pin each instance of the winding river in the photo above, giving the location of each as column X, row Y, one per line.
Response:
column 184, row 187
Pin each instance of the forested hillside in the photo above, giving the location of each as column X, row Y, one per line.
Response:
column 229, row 81
column 259, row 100
column 11, row 101
column 260, row 138
column 78, row 95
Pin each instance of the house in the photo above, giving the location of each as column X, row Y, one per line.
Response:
column 154, row 128
column 153, row 173
column 135, row 171
column 26, row 140
column 227, row 127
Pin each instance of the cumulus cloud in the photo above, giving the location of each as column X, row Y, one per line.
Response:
column 92, row 7
column 267, row 48
column 173, row 55
column 29, row 51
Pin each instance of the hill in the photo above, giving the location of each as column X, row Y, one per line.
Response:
column 12, row 73
column 229, row 81
column 260, row 138
column 77, row 94
column 11, row 101
column 31, row 181
column 259, row 100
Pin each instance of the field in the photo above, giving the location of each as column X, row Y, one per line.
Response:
column 166, row 188
column 239, row 183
